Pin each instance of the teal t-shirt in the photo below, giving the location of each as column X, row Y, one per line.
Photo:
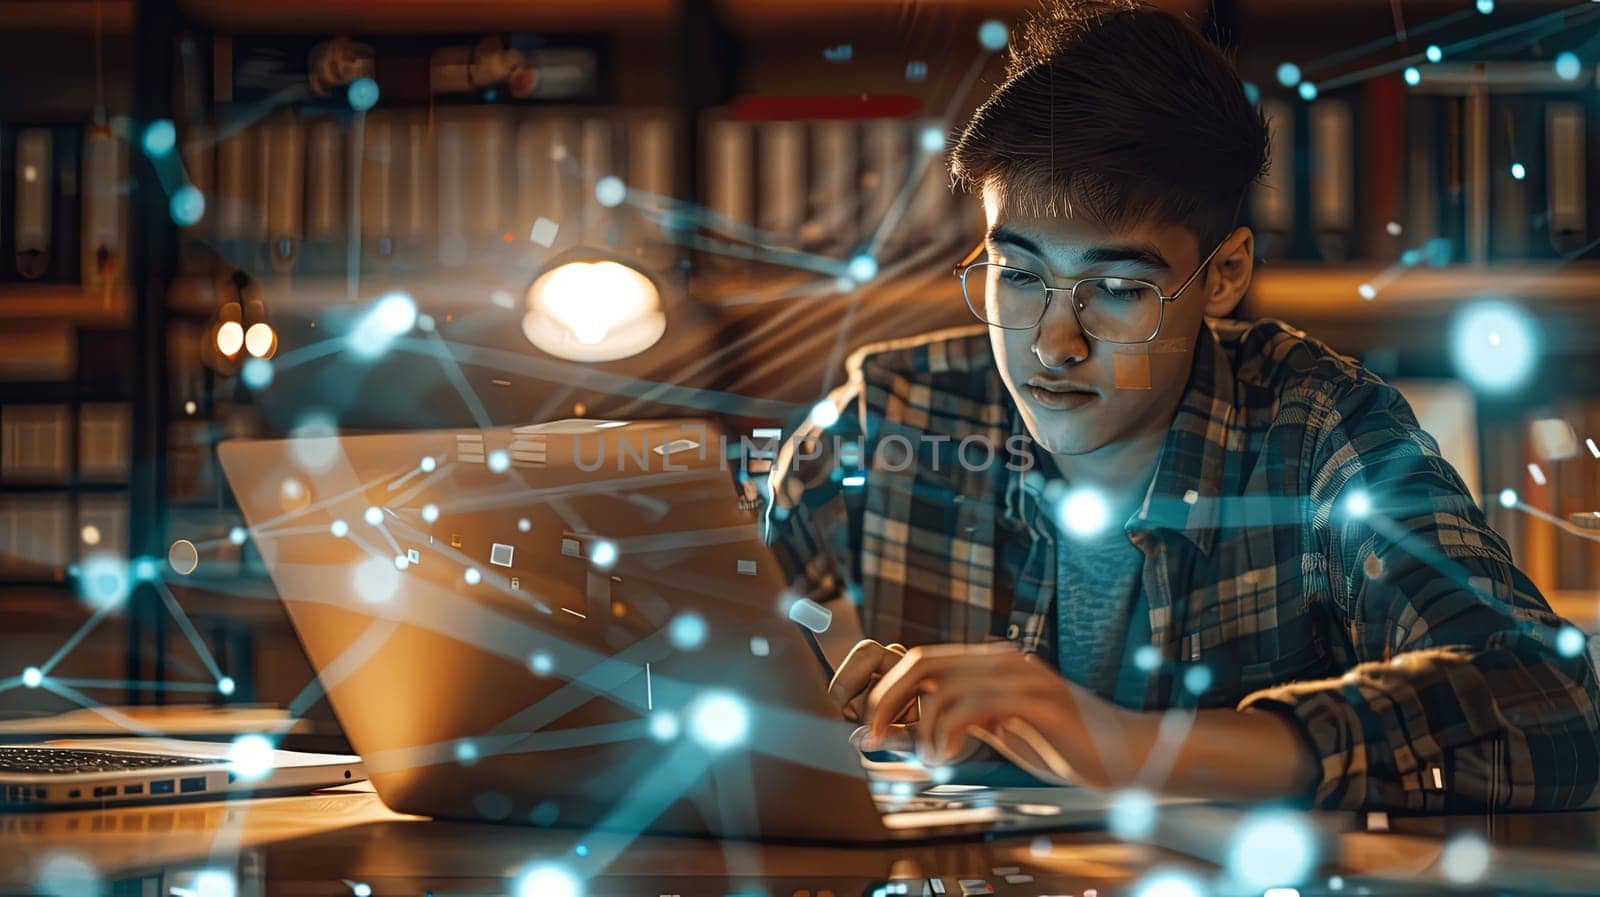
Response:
column 1102, row 616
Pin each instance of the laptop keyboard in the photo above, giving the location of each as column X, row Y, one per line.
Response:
column 66, row 761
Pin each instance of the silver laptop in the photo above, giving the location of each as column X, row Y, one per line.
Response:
column 578, row 624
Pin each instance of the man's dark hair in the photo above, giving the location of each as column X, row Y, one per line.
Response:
column 1120, row 111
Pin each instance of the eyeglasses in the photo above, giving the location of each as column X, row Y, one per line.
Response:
column 1110, row 309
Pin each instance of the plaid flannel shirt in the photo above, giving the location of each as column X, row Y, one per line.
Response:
column 1419, row 663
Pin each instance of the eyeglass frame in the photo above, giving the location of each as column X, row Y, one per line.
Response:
column 968, row 263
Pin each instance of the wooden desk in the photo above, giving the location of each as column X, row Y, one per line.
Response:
column 324, row 845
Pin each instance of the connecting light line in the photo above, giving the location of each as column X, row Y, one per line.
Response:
column 1564, row 526
column 1386, row 41
column 188, row 629
column 151, row 685
column 351, row 659
column 452, row 372
column 70, row 643
column 84, row 701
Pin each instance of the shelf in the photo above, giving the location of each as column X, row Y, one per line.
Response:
column 449, row 16
column 1299, row 291
column 64, row 302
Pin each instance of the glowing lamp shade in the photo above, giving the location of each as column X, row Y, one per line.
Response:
column 230, row 330
column 260, row 340
column 593, row 310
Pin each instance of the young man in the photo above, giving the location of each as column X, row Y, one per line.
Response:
column 1140, row 506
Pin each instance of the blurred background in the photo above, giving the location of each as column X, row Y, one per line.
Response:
column 224, row 219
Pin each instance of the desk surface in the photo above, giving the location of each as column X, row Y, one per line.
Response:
column 322, row 845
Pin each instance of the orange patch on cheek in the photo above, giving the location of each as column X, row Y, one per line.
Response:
column 1130, row 371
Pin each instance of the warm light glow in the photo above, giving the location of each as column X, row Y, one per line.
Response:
column 593, row 311
column 260, row 340
column 230, row 338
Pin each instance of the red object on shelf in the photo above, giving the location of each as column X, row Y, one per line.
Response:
column 825, row 107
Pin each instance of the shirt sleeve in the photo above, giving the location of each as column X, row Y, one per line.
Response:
column 1469, row 693
column 807, row 520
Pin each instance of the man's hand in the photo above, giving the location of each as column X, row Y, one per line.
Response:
column 862, row 668
column 1052, row 728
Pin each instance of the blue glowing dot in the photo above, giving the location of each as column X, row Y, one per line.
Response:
column 1197, row 679
column 1169, row 884
column 1413, row 75
column 226, row 685
column 430, row 513
column 32, row 677
column 428, row 464
column 187, row 206
column 392, row 315
column 541, row 663
column 1252, row 93
column 1494, row 346
column 664, row 725
column 159, row 138
column 916, row 70
column 993, row 34
column 466, row 752
column 824, row 414
column 401, row 562
column 499, row 461
column 1570, row 641
column 581, row 850
column 1465, row 858
column 544, row 813
column 250, row 757
column 215, row 883
column 524, row 524
column 1308, row 91
column 719, row 720
column 361, row 889
column 363, row 94
column 1147, row 658
column 1272, row 848
column 339, row 529
column 603, row 553
column 1568, row 66
column 1131, row 815
column 862, row 268
column 1486, row 6
column 1358, row 505
column 1438, row 252
column 1288, row 74
column 373, row 515
column 104, row 581
column 1508, row 498
column 609, row 191
column 1410, row 257
column 547, row 881
column 1434, row 53
column 1083, row 512
column 687, row 631
column 472, row 576
column 1518, row 170
column 425, row 322
column 237, row 535
column 145, row 569
column 1367, row 291
column 256, row 373
column 931, row 140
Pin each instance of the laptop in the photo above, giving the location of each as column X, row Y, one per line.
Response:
column 577, row 624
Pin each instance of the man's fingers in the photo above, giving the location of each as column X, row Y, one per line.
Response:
column 950, row 712
column 867, row 661
column 901, row 685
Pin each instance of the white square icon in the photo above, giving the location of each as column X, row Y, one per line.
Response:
column 500, row 554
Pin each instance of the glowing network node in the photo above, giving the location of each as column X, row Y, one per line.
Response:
column 1147, row 658
column 1083, row 512
column 719, row 720
column 1169, row 884
column 401, row 562
column 65, row 875
column 499, row 461
column 250, row 757
column 472, row 576
column 541, row 663
column 1570, row 641
column 1367, row 291
column 363, row 94
column 187, row 206
column 1131, row 815
column 430, row 513
column 1508, row 498
column 687, row 631
column 1413, row 75
column 312, row 442
column 603, row 553
column 932, row 139
column 824, row 414
column 544, row 813
column 427, row 464
column 1252, row 93
column 609, row 191
column 993, row 34
column 1518, row 170
column 145, row 569
column 159, row 138
column 1393, row 228
column 1308, row 91
column 1434, row 53
column 32, row 677
column 1271, row 848
column 941, row 775
column 916, row 70
column 466, row 752
column 1465, row 858
column 215, row 883
column 1281, row 892
column 1197, row 679
column 391, row 316
column 1486, row 6
column 425, row 322
column 524, row 524
column 226, row 685
column 376, row 580
column 1568, row 66
column 664, row 725
column 373, row 515
column 1288, row 74
column 1410, row 257
column 547, row 881
column 862, row 267
column 581, row 850
column 361, row 889
column 1493, row 346
column 1358, row 505
column 104, row 581
column 256, row 373
column 339, row 529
